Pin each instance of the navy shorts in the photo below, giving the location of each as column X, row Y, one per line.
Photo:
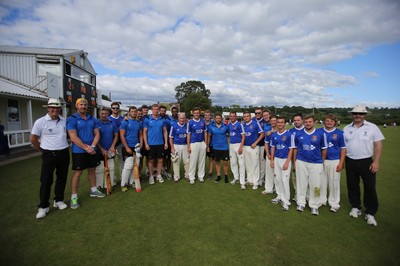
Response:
column 221, row 155
column 156, row 152
column 82, row 161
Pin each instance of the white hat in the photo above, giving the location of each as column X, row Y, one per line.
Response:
column 359, row 109
column 53, row 103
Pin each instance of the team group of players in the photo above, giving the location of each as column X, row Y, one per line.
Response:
column 260, row 150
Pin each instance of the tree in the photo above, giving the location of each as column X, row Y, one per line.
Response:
column 193, row 94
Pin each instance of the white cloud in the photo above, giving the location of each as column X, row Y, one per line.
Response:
column 246, row 52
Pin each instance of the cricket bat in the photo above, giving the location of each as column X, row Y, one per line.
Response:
column 107, row 176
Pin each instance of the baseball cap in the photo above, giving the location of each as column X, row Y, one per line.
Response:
column 81, row 100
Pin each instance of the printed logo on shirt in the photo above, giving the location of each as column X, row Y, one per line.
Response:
column 334, row 136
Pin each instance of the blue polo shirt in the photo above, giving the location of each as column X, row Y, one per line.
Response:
column 309, row 145
column 84, row 129
column 178, row 133
column 251, row 129
column 132, row 129
column 155, row 135
column 236, row 130
column 117, row 121
column 196, row 129
column 282, row 143
column 107, row 130
column 219, row 136
column 335, row 139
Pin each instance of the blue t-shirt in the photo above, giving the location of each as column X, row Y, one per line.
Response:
column 117, row 121
column 84, row 129
column 252, row 130
column 236, row 131
column 107, row 130
column 178, row 133
column 262, row 123
column 282, row 143
column 309, row 145
column 132, row 129
column 155, row 134
column 335, row 139
column 219, row 136
column 196, row 130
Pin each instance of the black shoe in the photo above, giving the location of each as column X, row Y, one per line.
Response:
column 226, row 179
column 218, row 179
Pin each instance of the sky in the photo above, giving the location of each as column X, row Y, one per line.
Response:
column 272, row 53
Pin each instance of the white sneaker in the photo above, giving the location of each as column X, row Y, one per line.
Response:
column 334, row 209
column 60, row 204
column 192, row 182
column 285, row 207
column 314, row 211
column 265, row 192
column 234, row 181
column 371, row 220
column 151, row 180
column 276, row 200
column 300, row 208
column 201, row 180
column 255, row 187
column 42, row 212
column 355, row 212
column 242, row 187
column 160, row 179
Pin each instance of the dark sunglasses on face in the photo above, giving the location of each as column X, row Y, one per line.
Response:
column 358, row 114
column 115, row 108
column 257, row 113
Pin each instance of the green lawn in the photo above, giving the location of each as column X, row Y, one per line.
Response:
column 204, row 224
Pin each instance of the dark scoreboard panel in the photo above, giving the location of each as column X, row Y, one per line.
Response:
column 75, row 89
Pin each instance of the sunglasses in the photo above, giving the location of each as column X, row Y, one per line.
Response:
column 115, row 108
column 357, row 113
column 257, row 113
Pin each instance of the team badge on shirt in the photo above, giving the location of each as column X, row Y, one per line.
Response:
column 314, row 138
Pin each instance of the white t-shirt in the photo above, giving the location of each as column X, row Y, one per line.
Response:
column 52, row 133
column 360, row 141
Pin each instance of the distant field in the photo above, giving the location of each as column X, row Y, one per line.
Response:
column 203, row 224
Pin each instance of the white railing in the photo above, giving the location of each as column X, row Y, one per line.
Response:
column 18, row 138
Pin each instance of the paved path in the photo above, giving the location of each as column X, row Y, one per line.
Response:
column 19, row 158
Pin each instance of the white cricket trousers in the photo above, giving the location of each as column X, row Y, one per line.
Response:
column 331, row 180
column 237, row 163
column 309, row 175
column 197, row 158
column 269, row 176
column 251, row 163
column 282, row 178
column 261, row 163
column 100, row 178
column 183, row 155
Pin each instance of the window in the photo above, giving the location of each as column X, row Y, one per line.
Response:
column 48, row 64
column 79, row 74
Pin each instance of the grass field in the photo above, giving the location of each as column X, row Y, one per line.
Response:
column 203, row 224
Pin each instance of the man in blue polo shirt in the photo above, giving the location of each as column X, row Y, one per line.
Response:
column 106, row 146
column 281, row 162
column 236, row 142
column 117, row 119
column 219, row 132
column 196, row 145
column 310, row 151
column 254, row 133
column 84, row 133
column 177, row 140
column 131, row 135
column 155, row 138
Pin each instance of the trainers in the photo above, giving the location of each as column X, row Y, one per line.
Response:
column 60, row 204
column 97, row 194
column 276, row 200
column 192, row 182
column 300, row 208
column 369, row 218
column 42, row 212
column 333, row 209
column 285, row 207
column 255, row 187
column 355, row 212
column 234, row 181
column 218, row 179
column 242, row 187
column 176, row 179
column 314, row 211
column 74, row 203
column 151, row 180
column 201, row 180
column 124, row 189
column 265, row 192
column 160, row 179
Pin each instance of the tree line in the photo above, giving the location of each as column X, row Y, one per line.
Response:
column 194, row 93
